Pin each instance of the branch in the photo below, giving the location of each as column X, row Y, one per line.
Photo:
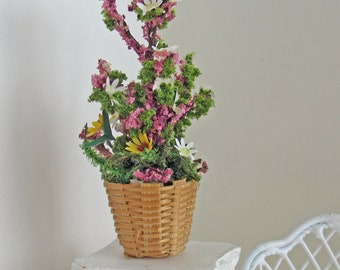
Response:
column 120, row 25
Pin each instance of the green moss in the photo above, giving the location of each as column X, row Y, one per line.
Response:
column 203, row 103
column 146, row 118
column 190, row 72
column 147, row 74
column 117, row 74
column 120, row 105
column 103, row 98
column 165, row 95
column 168, row 68
column 140, row 95
column 109, row 22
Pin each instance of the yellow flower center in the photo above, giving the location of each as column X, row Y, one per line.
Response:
column 139, row 144
column 185, row 152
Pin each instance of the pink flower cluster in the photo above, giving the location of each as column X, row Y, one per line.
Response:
column 165, row 116
column 133, row 121
column 99, row 80
column 161, row 55
column 154, row 175
column 130, row 94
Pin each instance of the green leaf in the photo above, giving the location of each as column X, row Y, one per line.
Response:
column 107, row 127
column 107, row 133
column 102, row 139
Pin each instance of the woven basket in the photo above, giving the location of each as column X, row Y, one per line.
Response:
column 152, row 220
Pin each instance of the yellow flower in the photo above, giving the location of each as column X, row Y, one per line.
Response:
column 97, row 125
column 139, row 144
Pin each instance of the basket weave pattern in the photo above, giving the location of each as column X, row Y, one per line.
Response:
column 152, row 220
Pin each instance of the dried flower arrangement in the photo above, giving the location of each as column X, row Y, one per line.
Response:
column 149, row 114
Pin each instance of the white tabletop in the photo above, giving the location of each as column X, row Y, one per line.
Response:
column 197, row 255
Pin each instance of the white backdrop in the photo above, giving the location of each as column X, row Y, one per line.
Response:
column 272, row 142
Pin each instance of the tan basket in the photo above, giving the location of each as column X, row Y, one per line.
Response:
column 152, row 220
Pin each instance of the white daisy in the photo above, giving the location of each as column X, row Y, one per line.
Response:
column 110, row 88
column 149, row 5
column 185, row 150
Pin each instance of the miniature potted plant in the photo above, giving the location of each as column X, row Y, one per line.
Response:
column 150, row 173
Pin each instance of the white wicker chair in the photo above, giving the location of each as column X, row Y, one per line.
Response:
column 315, row 245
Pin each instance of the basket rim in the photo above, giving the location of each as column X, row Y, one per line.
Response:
column 149, row 185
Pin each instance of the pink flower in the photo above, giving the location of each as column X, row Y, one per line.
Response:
column 133, row 121
column 158, row 123
column 104, row 66
column 98, row 80
column 130, row 93
column 103, row 151
column 149, row 103
column 158, row 67
column 154, row 175
column 204, row 168
column 181, row 111
column 130, row 96
column 160, row 120
column 179, row 78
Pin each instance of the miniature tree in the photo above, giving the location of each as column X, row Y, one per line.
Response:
column 150, row 113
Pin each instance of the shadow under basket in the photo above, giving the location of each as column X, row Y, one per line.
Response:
column 152, row 220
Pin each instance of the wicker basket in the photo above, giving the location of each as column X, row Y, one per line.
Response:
column 152, row 220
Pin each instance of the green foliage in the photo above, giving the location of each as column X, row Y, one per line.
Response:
column 203, row 103
column 181, row 126
column 161, row 44
column 147, row 74
column 120, row 105
column 102, row 97
column 190, row 72
column 168, row 68
column 150, row 15
column 117, row 74
column 140, row 95
column 184, row 94
column 120, row 144
column 146, row 159
column 164, row 24
column 166, row 94
column 110, row 23
column 146, row 118
column 183, row 167
column 95, row 158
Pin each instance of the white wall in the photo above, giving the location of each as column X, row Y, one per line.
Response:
column 272, row 142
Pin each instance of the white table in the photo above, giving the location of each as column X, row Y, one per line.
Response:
column 197, row 255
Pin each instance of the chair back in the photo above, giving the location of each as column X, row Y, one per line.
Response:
column 315, row 245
